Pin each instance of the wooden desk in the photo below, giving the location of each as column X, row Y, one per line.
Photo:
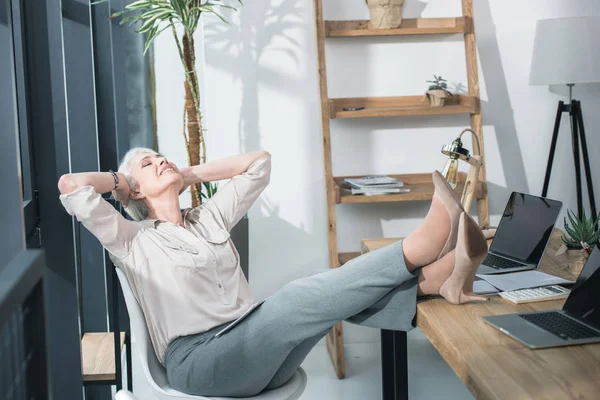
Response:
column 491, row 364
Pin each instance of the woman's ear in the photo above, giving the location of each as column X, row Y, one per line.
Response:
column 135, row 195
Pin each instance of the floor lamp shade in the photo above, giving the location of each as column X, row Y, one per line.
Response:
column 566, row 50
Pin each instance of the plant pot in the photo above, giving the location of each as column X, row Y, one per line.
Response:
column 385, row 14
column 437, row 98
column 572, row 260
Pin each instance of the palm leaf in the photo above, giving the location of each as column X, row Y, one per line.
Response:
column 152, row 36
column 136, row 5
column 211, row 189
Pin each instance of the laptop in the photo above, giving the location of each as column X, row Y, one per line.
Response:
column 577, row 323
column 522, row 234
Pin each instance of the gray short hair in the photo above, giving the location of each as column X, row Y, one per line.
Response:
column 137, row 209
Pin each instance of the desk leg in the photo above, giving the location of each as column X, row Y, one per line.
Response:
column 394, row 365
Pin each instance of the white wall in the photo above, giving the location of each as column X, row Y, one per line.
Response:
column 261, row 92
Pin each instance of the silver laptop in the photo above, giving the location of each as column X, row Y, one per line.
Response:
column 577, row 323
column 522, row 235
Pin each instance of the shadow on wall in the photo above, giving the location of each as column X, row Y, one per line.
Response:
column 498, row 111
column 287, row 251
column 261, row 24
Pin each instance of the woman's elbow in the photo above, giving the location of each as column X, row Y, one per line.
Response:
column 66, row 184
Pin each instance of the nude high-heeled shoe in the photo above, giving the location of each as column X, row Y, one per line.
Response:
column 453, row 206
column 471, row 249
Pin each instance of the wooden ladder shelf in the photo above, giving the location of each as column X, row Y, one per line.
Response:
column 420, row 184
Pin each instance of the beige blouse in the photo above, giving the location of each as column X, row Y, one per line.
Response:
column 186, row 279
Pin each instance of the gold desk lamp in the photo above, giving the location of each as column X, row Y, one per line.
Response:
column 455, row 152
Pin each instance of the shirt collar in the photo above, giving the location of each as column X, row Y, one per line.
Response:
column 154, row 222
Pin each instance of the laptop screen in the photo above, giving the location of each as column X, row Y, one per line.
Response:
column 525, row 227
column 584, row 300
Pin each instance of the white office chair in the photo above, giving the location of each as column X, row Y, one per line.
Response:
column 156, row 374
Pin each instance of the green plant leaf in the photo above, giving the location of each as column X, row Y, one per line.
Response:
column 176, row 6
column 128, row 19
column 146, row 26
column 136, row 5
column 209, row 188
column 571, row 218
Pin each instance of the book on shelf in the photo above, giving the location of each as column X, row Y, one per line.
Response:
column 373, row 181
column 374, row 191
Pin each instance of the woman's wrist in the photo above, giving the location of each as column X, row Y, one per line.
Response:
column 122, row 178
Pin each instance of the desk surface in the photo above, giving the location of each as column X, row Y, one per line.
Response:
column 493, row 365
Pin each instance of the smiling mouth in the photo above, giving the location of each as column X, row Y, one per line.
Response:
column 167, row 170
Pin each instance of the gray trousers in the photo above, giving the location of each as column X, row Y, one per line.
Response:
column 264, row 350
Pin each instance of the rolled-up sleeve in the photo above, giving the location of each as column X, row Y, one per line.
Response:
column 113, row 231
column 232, row 200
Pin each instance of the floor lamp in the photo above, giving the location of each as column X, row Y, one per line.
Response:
column 566, row 52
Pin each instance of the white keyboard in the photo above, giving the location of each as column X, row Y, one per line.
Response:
column 538, row 294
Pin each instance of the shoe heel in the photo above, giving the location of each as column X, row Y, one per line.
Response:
column 452, row 203
column 471, row 249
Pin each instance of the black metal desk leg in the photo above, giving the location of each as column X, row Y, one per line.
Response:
column 394, row 365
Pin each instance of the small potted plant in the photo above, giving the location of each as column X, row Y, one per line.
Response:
column 385, row 14
column 438, row 92
column 577, row 246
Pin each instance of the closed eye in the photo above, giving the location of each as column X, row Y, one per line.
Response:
column 145, row 165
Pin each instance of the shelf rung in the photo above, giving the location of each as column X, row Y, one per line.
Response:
column 410, row 26
column 399, row 106
column 420, row 185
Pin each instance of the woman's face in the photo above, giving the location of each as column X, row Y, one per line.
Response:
column 155, row 174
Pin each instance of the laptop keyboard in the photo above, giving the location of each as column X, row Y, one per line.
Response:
column 560, row 325
column 500, row 263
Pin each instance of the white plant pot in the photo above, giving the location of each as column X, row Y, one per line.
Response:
column 437, row 98
column 385, row 14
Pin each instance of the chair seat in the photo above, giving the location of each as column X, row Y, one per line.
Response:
column 291, row 390
column 156, row 375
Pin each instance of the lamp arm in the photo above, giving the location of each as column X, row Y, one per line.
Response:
column 474, row 137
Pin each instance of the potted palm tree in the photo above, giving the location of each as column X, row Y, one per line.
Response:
column 156, row 16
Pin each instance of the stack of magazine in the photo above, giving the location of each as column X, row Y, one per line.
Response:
column 373, row 185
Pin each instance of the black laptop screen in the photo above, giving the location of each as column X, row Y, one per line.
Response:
column 584, row 300
column 525, row 227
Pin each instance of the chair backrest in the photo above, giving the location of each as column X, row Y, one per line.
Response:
column 154, row 371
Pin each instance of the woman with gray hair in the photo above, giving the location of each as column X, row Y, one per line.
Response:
column 184, row 271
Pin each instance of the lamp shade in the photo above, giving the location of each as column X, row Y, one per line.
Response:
column 566, row 50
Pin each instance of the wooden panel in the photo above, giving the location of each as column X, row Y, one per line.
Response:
column 490, row 363
column 98, row 356
column 345, row 257
column 483, row 212
column 410, row 26
column 420, row 185
column 399, row 106
column 325, row 130
column 336, row 347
